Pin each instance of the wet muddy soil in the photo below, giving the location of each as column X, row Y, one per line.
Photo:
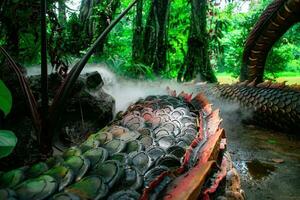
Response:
column 268, row 161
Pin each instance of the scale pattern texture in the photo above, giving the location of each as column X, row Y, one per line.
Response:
column 272, row 105
column 148, row 143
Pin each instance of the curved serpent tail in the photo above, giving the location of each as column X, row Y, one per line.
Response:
column 161, row 147
column 274, row 105
column 279, row 16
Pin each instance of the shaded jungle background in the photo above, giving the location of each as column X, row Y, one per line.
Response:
column 159, row 41
column 164, row 39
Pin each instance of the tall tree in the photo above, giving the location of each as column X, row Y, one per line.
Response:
column 197, row 58
column 137, row 40
column 18, row 18
column 62, row 12
column 105, row 13
column 86, row 12
column 96, row 15
column 155, row 35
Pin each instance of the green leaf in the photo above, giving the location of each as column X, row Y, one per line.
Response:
column 5, row 98
column 272, row 141
column 8, row 141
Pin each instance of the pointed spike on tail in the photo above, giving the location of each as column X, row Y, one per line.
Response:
column 252, row 83
column 244, row 83
column 284, row 84
column 278, row 85
column 265, row 84
column 201, row 102
column 295, row 87
column 235, row 84
column 181, row 94
column 187, row 96
column 171, row 92
column 213, row 122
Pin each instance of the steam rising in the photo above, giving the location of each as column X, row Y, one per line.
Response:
column 128, row 91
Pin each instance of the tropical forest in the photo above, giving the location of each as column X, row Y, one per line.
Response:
column 149, row 99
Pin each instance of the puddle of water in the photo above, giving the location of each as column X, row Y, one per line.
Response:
column 259, row 170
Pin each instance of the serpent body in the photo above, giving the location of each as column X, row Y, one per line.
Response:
column 165, row 146
column 272, row 106
column 155, row 146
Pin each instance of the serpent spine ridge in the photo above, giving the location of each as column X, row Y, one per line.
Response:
column 161, row 147
column 277, row 18
column 272, row 105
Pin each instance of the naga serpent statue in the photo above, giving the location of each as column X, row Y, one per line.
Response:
column 274, row 105
column 168, row 147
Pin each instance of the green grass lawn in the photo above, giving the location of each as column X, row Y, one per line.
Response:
column 290, row 77
column 226, row 78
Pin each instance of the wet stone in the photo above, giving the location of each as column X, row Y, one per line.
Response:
column 110, row 171
column 94, row 80
column 78, row 164
column 73, row 151
column 133, row 146
column 176, row 151
column 115, row 146
column 90, row 187
column 65, row 196
column 122, row 158
column 155, row 152
column 38, row 188
column 152, row 174
column 165, row 141
column 63, row 175
column 125, row 195
column 141, row 161
column 132, row 179
column 96, row 155
column 12, row 178
column 169, row 161
column 36, row 170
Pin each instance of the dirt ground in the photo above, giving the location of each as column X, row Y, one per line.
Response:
column 268, row 161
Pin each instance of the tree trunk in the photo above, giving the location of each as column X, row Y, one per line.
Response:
column 155, row 37
column 137, row 40
column 105, row 16
column 62, row 18
column 102, row 18
column 86, row 11
column 197, row 58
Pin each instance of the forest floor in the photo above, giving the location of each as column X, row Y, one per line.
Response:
column 268, row 161
column 289, row 77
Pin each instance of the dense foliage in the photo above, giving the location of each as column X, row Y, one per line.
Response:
column 46, row 121
column 8, row 140
column 235, row 27
column 70, row 33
